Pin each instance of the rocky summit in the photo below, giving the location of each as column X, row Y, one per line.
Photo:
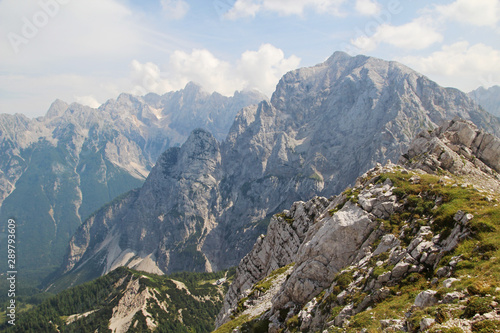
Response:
column 204, row 203
column 410, row 247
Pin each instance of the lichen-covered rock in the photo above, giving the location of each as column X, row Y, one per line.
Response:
column 426, row 298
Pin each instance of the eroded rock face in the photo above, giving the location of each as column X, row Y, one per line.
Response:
column 332, row 243
column 277, row 249
column 489, row 99
column 180, row 189
column 321, row 237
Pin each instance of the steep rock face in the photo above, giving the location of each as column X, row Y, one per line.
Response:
column 162, row 226
column 75, row 159
column 336, row 232
column 489, row 99
column 395, row 222
column 323, row 127
column 285, row 234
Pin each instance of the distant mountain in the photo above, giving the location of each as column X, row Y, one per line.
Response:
column 130, row 301
column 58, row 169
column 204, row 204
column 489, row 99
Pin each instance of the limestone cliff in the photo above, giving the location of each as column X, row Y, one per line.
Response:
column 489, row 98
column 162, row 226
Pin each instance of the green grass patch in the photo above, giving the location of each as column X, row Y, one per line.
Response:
column 287, row 219
column 477, row 305
column 233, row 324
column 434, row 203
column 486, row 326
column 265, row 284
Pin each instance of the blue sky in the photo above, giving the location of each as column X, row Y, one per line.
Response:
column 88, row 51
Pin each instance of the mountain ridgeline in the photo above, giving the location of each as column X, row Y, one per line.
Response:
column 130, row 301
column 56, row 170
column 489, row 99
column 204, row 203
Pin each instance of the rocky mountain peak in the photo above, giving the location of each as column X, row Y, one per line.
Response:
column 338, row 56
column 201, row 151
column 56, row 109
column 489, row 99
column 77, row 158
column 193, row 88
column 280, row 151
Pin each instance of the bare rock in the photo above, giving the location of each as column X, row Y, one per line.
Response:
column 426, row 298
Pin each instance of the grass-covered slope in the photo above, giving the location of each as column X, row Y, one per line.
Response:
column 464, row 281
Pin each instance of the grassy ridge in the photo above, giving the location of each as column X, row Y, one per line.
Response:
column 188, row 310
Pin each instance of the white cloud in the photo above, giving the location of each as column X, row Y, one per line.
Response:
column 88, row 100
column 202, row 67
column 477, row 12
column 32, row 95
column 245, row 8
column 367, row 7
column 460, row 65
column 147, row 78
column 263, row 69
column 416, row 35
column 174, row 9
column 259, row 70
column 72, row 50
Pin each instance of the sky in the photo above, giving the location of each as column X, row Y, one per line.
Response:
column 89, row 51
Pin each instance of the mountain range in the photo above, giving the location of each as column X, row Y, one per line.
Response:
column 204, row 203
column 411, row 247
column 489, row 99
column 56, row 170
